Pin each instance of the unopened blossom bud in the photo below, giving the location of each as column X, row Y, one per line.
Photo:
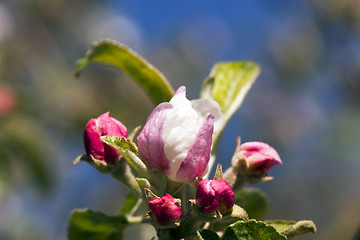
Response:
column 259, row 156
column 177, row 136
column 215, row 195
column 104, row 125
column 166, row 210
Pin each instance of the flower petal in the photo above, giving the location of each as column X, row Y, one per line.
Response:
column 109, row 126
column 104, row 125
column 204, row 107
column 260, row 156
column 165, row 210
column 150, row 141
column 179, row 131
column 197, row 158
column 93, row 144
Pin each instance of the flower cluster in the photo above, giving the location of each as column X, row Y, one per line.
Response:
column 165, row 163
column 176, row 141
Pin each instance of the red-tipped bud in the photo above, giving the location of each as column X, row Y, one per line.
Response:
column 104, row 125
column 215, row 195
column 166, row 210
column 259, row 156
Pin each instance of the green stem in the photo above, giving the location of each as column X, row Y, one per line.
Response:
column 123, row 174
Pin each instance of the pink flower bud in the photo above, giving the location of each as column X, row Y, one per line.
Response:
column 104, row 125
column 166, row 210
column 213, row 195
column 177, row 137
column 259, row 156
column 7, row 100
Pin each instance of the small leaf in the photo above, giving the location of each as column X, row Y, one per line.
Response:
column 299, row 228
column 209, row 235
column 130, row 152
column 130, row 204
column 252, row 230
column 253, row 201
column 90, row 225
column 112, row 53
column 280, row 225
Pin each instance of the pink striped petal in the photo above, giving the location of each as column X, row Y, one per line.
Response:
column 150, row 142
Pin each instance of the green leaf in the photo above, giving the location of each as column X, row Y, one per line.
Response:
column 209, row 235
column 228, row 84
column 90, row 225
column 293, row 229
column 251, row 230
column 130, row 204
column 254, row 201
column 112, row 53
column 239, row 212
column 128, row 150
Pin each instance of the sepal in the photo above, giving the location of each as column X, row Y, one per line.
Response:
column 99, row 165
column 149, row 194
column 133, row 133
column 218, row 172
column 239, row 212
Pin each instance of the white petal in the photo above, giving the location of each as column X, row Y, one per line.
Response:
column 206, row 106
column 179, row 131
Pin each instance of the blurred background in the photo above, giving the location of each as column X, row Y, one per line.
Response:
column 306, row 102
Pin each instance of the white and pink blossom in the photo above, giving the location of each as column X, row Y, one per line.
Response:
column 177, row 136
